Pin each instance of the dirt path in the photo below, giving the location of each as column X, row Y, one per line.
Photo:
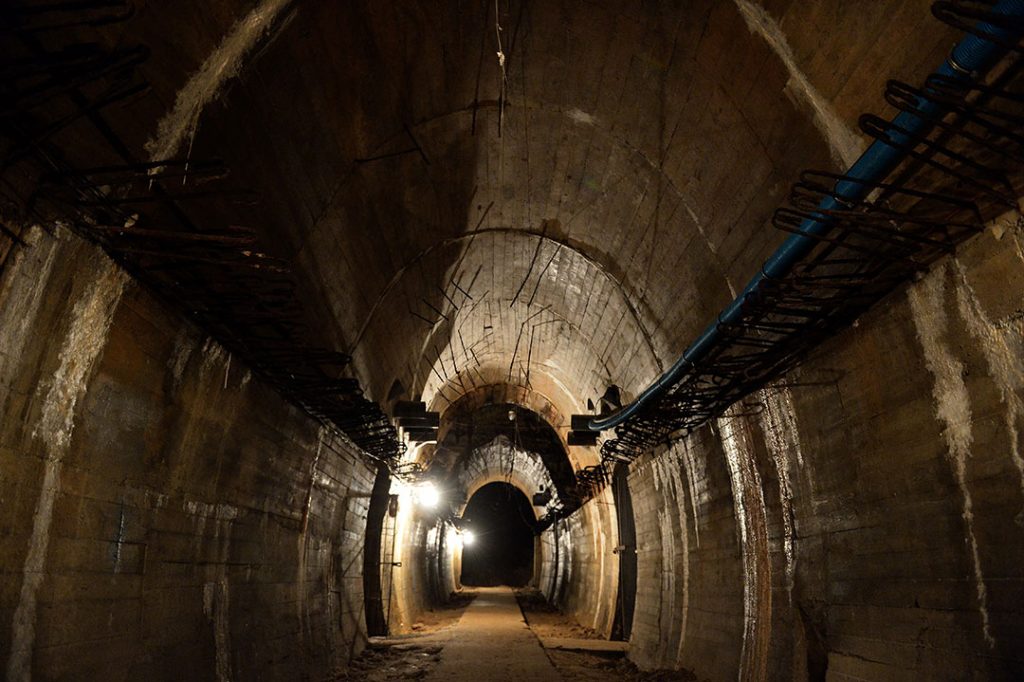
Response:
column 493, row 642
column 482, row 635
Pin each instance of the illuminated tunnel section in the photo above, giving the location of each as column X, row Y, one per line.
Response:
column 499, row 541
column 318, row 210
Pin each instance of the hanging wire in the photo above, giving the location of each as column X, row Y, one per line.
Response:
column 501, row 65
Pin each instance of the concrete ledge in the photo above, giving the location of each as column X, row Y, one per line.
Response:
column 601, row 646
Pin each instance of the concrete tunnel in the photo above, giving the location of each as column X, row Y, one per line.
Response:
column 502, row 339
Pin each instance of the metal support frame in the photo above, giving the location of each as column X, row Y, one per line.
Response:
column 220, row 278
column 961, row 163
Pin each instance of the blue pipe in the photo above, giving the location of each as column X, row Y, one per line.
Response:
column 972, row 55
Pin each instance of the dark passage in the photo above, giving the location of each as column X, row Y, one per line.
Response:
column 501, row 521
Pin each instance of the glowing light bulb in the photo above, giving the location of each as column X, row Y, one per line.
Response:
column 426, row 495
column 468, row 538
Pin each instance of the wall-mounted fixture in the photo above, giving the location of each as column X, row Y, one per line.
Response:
column 426, row 495
column 418, row 425
column 467, row 537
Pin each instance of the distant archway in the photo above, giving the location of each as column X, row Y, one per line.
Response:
column 501, row 521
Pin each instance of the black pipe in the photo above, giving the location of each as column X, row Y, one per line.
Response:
column 376, row 626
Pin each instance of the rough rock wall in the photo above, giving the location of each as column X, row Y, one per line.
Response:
column 163, row 515
column 864, row 518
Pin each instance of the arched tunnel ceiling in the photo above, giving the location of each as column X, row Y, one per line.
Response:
column 571, row 226
column 470, row 427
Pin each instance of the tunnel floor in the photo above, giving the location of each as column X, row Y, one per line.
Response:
column 492, row 642
column 499, row 633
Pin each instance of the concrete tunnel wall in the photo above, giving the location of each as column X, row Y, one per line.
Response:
column 866, row 517
column 164, row 514
column 582, row 580
column 897, row 557
column 863, row 515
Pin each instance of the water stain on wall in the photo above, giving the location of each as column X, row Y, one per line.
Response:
column 81, row 348
column 1003, row 348
column 782, row 438
column 952, row 408
column 752, row 527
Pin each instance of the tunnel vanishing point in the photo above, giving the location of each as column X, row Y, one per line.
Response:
column 704, row 319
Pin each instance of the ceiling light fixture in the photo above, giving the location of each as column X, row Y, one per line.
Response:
column 426, row 495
